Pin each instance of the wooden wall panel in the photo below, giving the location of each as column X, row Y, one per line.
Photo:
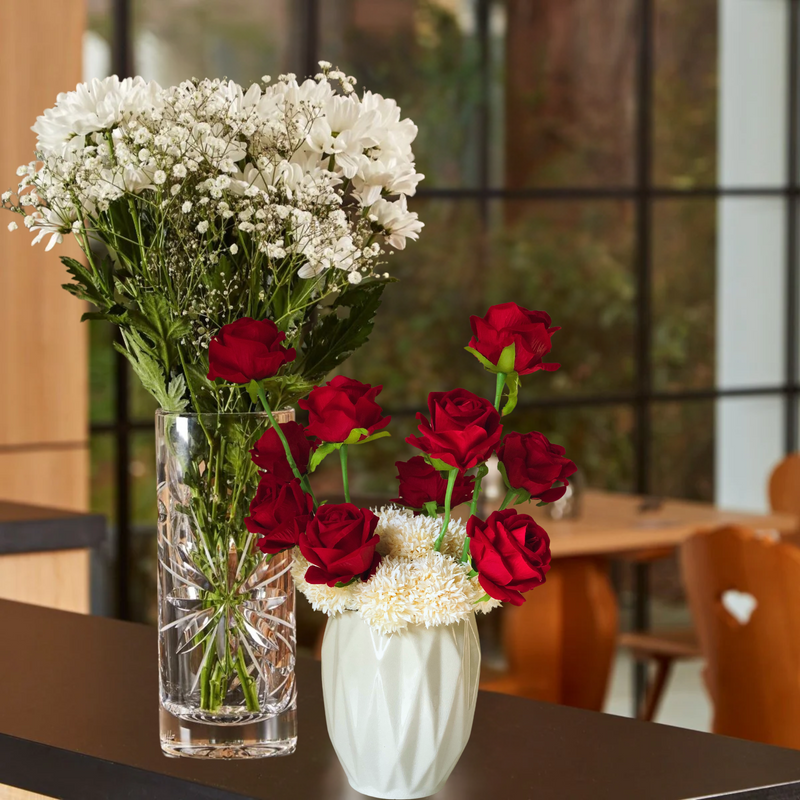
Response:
column 46, row 477
column 43, row 345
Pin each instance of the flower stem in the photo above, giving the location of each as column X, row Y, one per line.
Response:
column 510, row 495
column 451, row 482
column 345, row 479
column 498, row 395
column 281, row 436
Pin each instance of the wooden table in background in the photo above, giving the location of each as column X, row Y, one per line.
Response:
column 569, row 625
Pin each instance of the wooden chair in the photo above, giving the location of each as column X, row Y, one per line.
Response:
column 661, row 648
column 752, row 666
column 784, row 486
column 559, row 645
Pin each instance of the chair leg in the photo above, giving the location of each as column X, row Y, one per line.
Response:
column 655, row 690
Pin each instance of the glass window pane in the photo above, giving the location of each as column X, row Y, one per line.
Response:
column 102, row 357
column 685, row 93
column 684, row 293
column 424, row 54
column 682, row 450
column 573, row 260
column 143, row 527
column 418, row 342
column 97, row 40
column 238, row 39
column 569, row 92
column 599, row 439
column 103, row 472
column 752, row 92
column 142, row 404
column 751, row 254
column 749, row 442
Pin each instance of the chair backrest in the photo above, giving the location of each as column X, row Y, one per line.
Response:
column 752, row 665
column 784, row 485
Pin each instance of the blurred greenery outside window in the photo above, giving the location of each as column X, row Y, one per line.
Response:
column 527, row 137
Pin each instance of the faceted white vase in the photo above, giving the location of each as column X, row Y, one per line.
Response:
column 399, row 708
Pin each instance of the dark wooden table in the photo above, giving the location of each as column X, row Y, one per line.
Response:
column 78, row 720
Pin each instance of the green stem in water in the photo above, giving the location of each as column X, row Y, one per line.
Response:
column 281, row 436
column 451, row 482
column 248, row 687
column 498, row 395
column 345, row 479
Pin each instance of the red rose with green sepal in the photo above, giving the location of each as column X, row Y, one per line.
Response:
column 339, row 544
column 510, row 552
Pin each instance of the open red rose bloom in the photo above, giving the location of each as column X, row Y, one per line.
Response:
column 339, row 544
column 420, row 483
column 247, row 350
column 342, row 406
column 511, row 553
column 533, row 463
column 509, row 324
column 278, row 513
column 463, row 430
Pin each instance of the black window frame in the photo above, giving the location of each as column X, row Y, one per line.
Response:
column 643, row 193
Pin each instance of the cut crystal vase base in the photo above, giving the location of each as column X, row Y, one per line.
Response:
column 195, row 738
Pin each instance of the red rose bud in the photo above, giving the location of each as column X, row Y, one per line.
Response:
column 463, row 429
column 510, row 552
column 339, row 544
column 533, row 463
column 247, row 350
column 420, row 483
column 508, row 324
column 278, row 513
column 341, row 406
column 270, row 455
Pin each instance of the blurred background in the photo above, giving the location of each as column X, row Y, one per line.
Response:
column 628, row 172
column 629, row 166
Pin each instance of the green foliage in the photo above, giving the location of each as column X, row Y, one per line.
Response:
column 335, row 337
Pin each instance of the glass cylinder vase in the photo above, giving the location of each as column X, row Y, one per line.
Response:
column 226, row 611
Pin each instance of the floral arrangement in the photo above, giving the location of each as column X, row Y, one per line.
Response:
column 412, row 562
column 202, row 203
column 236, row 237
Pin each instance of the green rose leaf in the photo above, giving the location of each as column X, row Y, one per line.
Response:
column 321, row 453
column 507, row 359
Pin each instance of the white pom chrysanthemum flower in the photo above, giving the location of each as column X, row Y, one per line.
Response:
column 413, row 584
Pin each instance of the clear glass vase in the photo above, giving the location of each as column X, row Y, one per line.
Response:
column 226, row 611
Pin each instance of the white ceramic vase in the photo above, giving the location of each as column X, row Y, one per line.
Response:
column 399, row 708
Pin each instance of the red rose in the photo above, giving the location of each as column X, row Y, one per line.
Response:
column 509, row 324
column 535, row 464
column 463, row 430
column 278, row 513
column 420, row 483
column 510, row 552
column 247, row 350
column 339, row 544
column 270, row 455
column 341, row 406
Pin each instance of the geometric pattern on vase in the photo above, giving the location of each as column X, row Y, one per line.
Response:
column 399, row 708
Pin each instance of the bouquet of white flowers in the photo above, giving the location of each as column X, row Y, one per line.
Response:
column 250, row 225
column 203, row 203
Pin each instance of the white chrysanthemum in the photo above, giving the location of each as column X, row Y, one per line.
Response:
column 383, row 601
column 412, row 536
column 92, row 107
column 439, row 592
column 397, row 222
column 413, row 584
column 327, row 599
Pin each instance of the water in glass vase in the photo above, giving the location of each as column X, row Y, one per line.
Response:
column 226, row 611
